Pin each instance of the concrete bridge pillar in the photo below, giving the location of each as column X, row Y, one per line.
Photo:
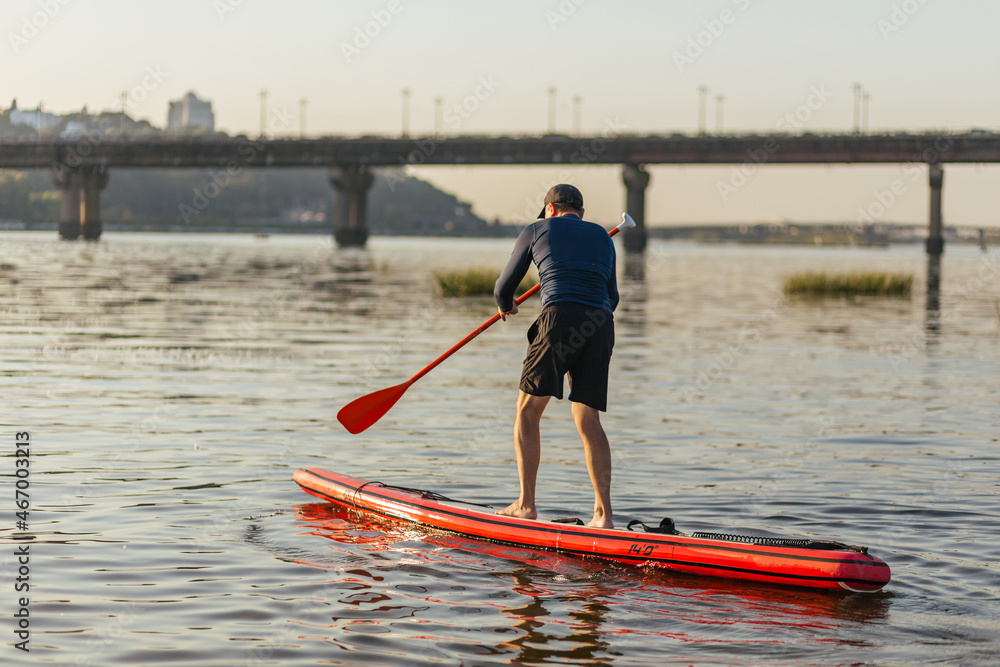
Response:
column 80, row 208
column 935, row 236
column 94, row 180
column 935, row 248
column 636, row 179
column 70, row 181
column 350, row 224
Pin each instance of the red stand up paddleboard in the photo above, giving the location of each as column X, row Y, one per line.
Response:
column 796, row 562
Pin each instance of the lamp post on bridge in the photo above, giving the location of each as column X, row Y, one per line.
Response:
column 702, row 108
column 866, row 102
column 552, row 110
column 861, row 101
column 263, row 112
column 121, row 130
column 856, row 89
column 406, row 112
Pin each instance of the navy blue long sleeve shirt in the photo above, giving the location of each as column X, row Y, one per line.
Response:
column 575, row 260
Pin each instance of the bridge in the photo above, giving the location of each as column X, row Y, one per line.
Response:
column 81, row 167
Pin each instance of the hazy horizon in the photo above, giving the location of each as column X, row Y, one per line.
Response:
column 636, row 67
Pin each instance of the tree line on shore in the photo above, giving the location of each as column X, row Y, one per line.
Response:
column 296, row 199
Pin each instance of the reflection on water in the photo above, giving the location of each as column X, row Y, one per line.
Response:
column 635, row 267
column 541, row 642
column 630, row 316
column 589, row 613
column 933, row 321
column 173, row 383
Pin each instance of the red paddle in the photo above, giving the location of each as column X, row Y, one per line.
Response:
column 362, row 412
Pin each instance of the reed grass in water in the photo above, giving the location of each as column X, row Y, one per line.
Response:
column 477, row 281
column 855, row 283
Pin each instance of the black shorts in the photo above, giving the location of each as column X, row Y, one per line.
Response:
column 575, row 339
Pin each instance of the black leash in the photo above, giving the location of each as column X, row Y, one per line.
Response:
column 429, row 495
column 667, row 527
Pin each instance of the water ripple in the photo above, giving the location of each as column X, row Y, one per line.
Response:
column 173, row 383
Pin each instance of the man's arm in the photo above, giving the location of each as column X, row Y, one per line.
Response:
column 613, row 281
column 514, row 272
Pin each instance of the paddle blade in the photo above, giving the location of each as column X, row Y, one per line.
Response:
column 362, row 412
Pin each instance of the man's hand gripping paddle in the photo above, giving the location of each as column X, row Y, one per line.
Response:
column 362, row 412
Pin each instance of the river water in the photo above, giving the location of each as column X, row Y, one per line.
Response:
column 171, row 385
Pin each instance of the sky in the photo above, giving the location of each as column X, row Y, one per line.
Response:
column 635, row 65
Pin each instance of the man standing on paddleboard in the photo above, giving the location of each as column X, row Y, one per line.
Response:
column 574, row 335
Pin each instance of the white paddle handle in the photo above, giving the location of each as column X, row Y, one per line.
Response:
column 627, row 222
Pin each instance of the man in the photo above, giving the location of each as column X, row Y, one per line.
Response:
column 573, row 334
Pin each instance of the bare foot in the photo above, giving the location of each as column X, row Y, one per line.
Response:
column 600, row 522
column 516, row 509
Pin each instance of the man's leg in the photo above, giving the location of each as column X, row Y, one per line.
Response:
column 527, row 447
column 597, row 451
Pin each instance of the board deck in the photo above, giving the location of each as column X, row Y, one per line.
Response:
column 826, row 565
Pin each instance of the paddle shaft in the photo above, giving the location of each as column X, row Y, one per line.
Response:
column 482, row 327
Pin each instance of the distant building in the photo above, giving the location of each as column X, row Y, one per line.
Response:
column 75, row 128
column 189, row 114
column 31, row 117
